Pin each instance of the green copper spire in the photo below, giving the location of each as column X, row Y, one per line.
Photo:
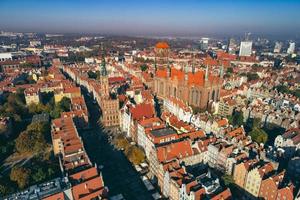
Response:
column 103, row 69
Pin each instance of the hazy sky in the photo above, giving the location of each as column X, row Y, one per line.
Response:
column 152, row 17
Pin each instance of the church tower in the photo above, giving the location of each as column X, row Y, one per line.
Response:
column 161, row 51
column 104, row 78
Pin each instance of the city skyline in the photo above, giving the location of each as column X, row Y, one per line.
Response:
column 168, row 18
column 149, row 100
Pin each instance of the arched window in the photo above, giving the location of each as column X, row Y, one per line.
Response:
column 161, row 88
column 213, row 95
column 175, row 92
column 197, row 98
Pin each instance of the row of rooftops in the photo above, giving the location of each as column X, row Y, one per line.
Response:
column 85, row 180
column 269, row 175
column 82, row 180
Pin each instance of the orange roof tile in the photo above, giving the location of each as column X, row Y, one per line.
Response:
column 162, row 45
column 174, row 150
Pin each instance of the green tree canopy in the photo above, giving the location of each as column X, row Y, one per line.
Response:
column 20, row 175
column 14, row 106
column 237, row 118
column 39, row 176
column 39, row 108
column 32, row 140
column 230, row 70
column 252, row 76
column 92, row 74
column 258, row 135
column 65, row 104
column 144, row 67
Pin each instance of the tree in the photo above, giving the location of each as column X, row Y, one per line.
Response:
column 258, row 135
column 256, row 122
column 42, row 128
column 144, row 67
column 5, row 186
column 20, row 175
column 135, row 155
column 230, row 119
column 39, row 108
column 255, row 66
column 252, row 76
column 65, row 104
column 32, row 140
column 230, row 70
column 39, row 176
column 4, row 190
column 228, row 180
column 92, row 74
column 3, row 129
column 237, row 118
column 121, row 142
column 55, row 113
column 283, row 89
column 24, row 143
column 296, row 93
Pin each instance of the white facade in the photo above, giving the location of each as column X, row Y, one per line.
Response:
column 246, row 48
column 5, row 56
column 277, row 48
column 125, row 122
column 291, row 48
column 178, row 111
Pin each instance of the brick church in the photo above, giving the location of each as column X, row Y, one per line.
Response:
column 197, row 88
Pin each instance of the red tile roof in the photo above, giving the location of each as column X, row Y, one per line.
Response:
column 174, row 150
column 58, row 196
column 89, row 189
column 162, row 45
column 225, row 195
column 142, row 111
column 85, row 174
column 197, row 78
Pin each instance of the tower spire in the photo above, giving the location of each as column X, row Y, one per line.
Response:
column 168, row 68
column 193, row 64
column 103, row 70
column 186, row 69
column 206, row 73
column 222, row 71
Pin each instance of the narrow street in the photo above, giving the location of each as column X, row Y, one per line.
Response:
column 118, row 173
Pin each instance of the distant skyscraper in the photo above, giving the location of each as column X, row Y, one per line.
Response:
column 291, row 48
column 278, row 46
column 204, row 44
column 232, row 46
column 246, row 48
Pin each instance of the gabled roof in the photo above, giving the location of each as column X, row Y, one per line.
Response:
column 142, row 111
column 179, row 150
column 89, row 189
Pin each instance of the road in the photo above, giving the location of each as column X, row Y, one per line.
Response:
column 118, row 173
